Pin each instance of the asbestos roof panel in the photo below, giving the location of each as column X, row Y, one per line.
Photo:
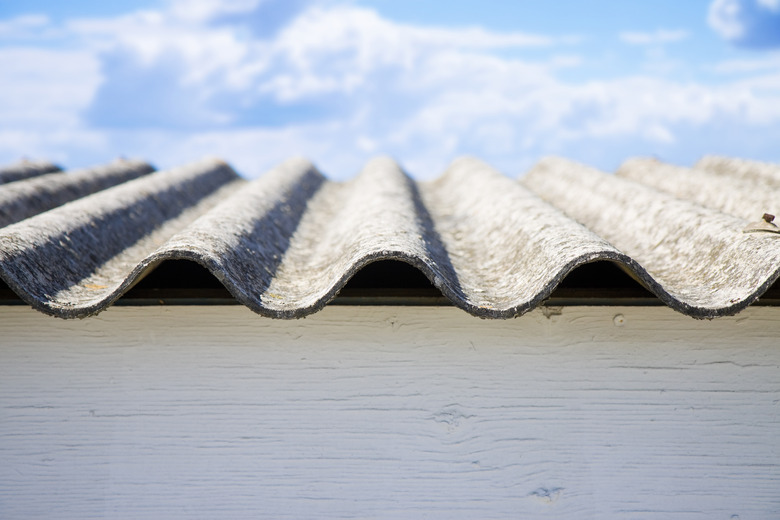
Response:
column 696, row 259
column 25, row 198
column 741, row 169
column 745, row 197
column 25, row 170
column 286, row 243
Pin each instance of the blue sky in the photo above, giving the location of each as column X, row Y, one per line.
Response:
column 258, row 81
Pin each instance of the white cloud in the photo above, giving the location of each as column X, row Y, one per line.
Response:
column 150, row 35
column 659, row 37
column 749, row 23
column 45, row 87
column 23, row 26
column 772, row 5
column 205, row 10
column 341, row 83
column 723, row 17
column 770, row 62
column 361, row 40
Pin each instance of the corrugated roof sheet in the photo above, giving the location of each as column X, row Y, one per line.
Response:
column 26, row 170
column 285, row 244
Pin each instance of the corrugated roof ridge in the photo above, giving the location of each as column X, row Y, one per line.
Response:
column 285, row 244
column 244, row 238
column 26, row 169
column 24, row 198
column 698, row 258
column 459, row 170
column 85, row 238
column 741, row 168
column 321, row 258
column 509, row 247
column 745, row 198
column 374, row 216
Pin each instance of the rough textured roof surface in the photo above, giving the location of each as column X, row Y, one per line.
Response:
column 285, row 244
column 23, row 199
column 26, row 170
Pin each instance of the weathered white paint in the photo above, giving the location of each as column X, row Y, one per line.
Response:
column 389, row 412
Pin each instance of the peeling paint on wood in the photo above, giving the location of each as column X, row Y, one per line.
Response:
column 389, row 412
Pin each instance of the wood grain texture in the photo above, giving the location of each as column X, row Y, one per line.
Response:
column 389, row 412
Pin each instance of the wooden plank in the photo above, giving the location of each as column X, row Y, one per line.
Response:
column 389, row 412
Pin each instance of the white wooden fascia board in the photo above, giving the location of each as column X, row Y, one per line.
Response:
column 389, row 412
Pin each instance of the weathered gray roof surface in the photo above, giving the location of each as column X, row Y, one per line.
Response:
column 26, row 170
column 285, row 244
column 21, row 200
